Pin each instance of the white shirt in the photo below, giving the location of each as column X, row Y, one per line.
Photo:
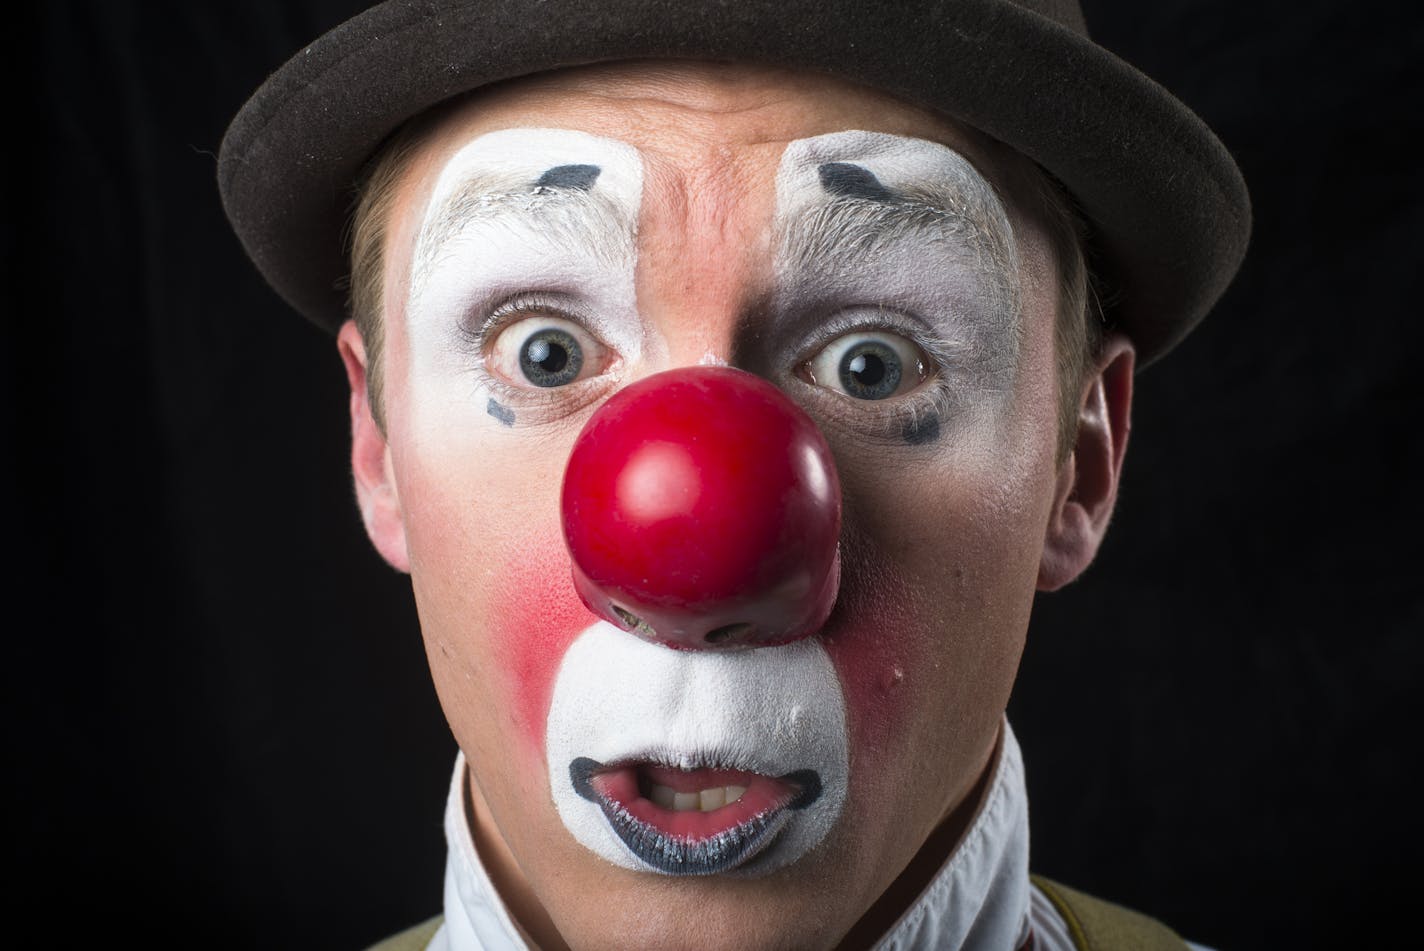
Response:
column 980, row 900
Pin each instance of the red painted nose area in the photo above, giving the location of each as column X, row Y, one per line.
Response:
column 702, row 510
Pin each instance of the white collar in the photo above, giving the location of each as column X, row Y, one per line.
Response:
column 978, row 901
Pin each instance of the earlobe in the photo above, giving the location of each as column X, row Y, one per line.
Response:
column 1088, row 478
column 376, row 493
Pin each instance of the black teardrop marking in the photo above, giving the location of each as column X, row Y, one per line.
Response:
column 923, row 430
column 500, row 412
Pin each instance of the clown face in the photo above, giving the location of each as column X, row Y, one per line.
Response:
column 561, row 238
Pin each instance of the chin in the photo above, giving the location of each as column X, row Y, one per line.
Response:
column 791, row 909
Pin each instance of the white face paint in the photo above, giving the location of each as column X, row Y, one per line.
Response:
column 886, row 238
column 776, row 712
column 523, row 222
column 876, row 235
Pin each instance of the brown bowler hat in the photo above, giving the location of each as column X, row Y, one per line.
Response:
column 1167, row 205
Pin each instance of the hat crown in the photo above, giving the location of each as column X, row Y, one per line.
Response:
column 1167, row 208
column 1066, row 13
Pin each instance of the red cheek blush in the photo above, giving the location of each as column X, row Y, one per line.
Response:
column 701, row 508
column 541, row 618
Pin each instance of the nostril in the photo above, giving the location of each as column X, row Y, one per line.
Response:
column 727, row 633
column 634, row 623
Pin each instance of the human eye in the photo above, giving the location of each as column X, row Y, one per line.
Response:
column 533, row 346
column 869, row 365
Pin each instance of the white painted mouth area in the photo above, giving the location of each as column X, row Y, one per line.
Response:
column 773, row 710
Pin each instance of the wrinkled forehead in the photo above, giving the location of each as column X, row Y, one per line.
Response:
column 573, row 186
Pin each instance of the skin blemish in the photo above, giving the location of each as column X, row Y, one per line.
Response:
column 848, row 180
column 500, row 412
column 922, row 430
column 579, row 177
column 891, row 679
column 869, row 641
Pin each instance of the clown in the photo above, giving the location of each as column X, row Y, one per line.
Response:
column 727, row 413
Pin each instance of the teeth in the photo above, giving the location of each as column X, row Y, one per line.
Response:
column 705, row 801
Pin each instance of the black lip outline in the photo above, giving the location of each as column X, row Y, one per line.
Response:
column 720, row 853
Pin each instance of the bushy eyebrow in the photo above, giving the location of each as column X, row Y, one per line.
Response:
column 560, row 211
column 945, row 240
column 848, row 227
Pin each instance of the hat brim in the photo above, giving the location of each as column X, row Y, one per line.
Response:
column 1166, row 203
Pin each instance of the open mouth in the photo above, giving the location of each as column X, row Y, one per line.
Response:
column 692, row 821
column 696, row 762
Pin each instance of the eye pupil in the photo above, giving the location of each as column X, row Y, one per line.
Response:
column 870, row 371
column 551, row 357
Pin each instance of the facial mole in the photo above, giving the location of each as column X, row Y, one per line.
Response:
column 578, row 177
column 918, row 432
column 848, row 180
column 500, row 412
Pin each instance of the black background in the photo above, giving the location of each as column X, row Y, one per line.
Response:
column 221, row 729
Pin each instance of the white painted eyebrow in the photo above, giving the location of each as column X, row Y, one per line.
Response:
column 870, row 220
column 582, row 221
column 927, row 192
column 500, row 181
column 850, row 227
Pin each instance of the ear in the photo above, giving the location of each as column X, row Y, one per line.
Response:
column 1088, row 478
column 371, row 458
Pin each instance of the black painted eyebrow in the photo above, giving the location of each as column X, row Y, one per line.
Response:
column 848, row 180
column 580, row 177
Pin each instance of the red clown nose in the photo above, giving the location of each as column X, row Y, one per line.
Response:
column 702, row 510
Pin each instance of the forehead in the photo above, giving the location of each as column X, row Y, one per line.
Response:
column 726, row 121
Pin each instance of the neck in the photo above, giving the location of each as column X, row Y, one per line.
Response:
column 525, row 910
column 929, row 861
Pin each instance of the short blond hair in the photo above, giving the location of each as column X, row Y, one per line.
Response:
column 1079, row 322
column 376, row 192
